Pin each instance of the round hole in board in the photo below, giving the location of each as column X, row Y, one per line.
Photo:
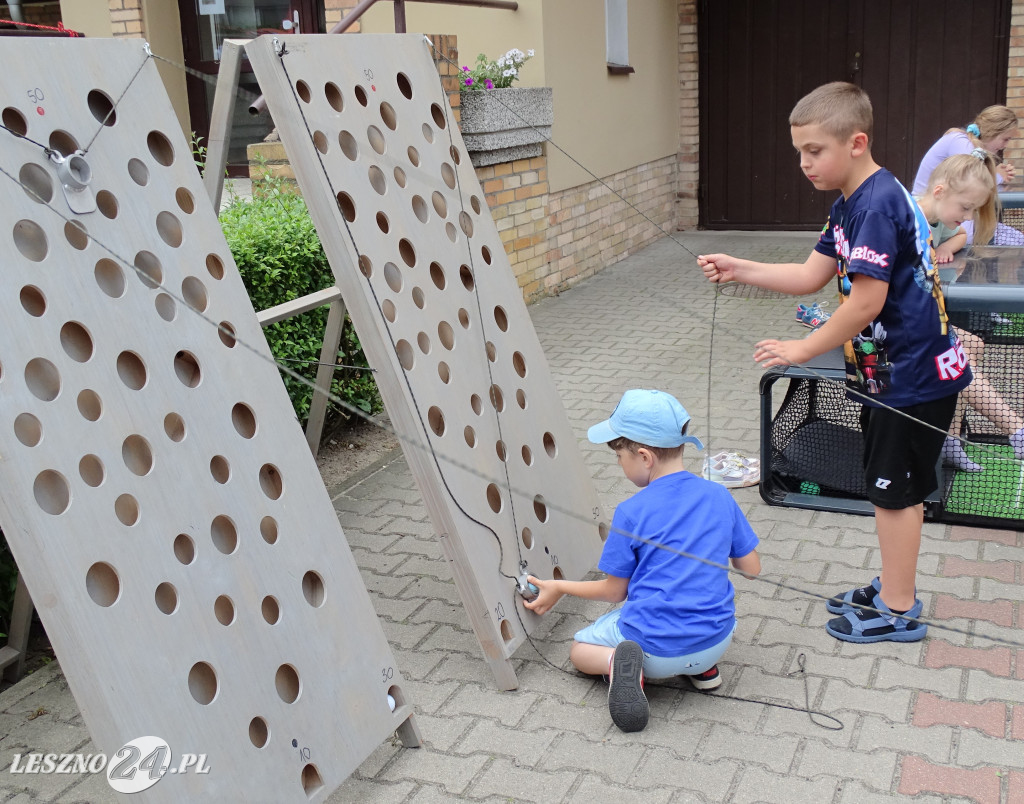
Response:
column 90, row 405
column 33, row 301
column 387, row 114
column 101, row 107
column 435, row 418
column 404, row 85
column 202, row 683
column 269, row 530
column 28, row 429
column 160, row 147
column 103, row 584
column 42, row 379
column 184, row 548
column 334, row 96
column 131, row 370
column 36, row 183
column 52, row 493
column 75, row 233
column 287, row 683
column 494, row 498
column 270, row 609
column 348, row 144
column 30, row 240
column 302, row 90
column 224, row 534
column 166, row 597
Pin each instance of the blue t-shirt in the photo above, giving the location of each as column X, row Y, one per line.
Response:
column 909, row 354
column 676, row 605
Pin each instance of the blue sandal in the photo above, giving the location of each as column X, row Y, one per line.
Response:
column 867, row 626
column 840, row 604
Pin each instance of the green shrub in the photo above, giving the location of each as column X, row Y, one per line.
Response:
column 279, row 256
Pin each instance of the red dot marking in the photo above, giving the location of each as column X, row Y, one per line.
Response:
column 40, row 110
column 373, row 87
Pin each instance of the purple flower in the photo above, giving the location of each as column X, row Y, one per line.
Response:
column 469, row 82
column 490, row 83
column 465, row 69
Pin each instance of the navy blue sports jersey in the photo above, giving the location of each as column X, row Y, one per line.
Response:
column 909, row 353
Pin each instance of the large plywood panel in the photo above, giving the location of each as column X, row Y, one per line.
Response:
column 398, row 206
column 155, row 488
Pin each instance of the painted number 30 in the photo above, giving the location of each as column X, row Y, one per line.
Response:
column 139, row 765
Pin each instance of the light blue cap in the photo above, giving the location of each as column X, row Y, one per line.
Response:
column 653, row 418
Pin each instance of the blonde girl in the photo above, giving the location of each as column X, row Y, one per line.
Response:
column 960, row 189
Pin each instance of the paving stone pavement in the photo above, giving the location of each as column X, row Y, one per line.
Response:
column 935, row 721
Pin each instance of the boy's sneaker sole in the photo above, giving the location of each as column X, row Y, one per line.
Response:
column 708, row 680
column 627, row 703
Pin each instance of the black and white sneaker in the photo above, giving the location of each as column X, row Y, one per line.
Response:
column 708, row 680
column 627, row 703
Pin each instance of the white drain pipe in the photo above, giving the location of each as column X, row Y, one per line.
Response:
column 15, row 6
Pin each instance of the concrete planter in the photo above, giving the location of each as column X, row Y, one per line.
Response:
column 502, row 125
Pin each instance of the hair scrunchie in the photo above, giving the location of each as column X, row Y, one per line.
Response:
column 973, row 129
column 980, row 154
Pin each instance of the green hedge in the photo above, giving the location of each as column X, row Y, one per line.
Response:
column 279, row 256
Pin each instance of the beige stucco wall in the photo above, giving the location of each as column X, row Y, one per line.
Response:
column 162, row 29
column 608, row 123
column 90, row 17
column 479, row 30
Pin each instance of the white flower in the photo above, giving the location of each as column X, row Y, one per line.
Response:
column 501, row 61
column 529, row 53
column 510, row 73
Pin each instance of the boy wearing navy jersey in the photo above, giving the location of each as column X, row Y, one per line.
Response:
column 678, row 616
column 899, row 348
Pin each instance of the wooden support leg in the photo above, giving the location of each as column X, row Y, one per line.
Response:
column 12, row 656
column 220, row 120
column 324, row 375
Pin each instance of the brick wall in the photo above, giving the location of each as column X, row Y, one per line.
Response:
column 126, row 18
column 688, row 165
column 553, row 240
column 40, row 13
column 1015, row 81
column 335, row 10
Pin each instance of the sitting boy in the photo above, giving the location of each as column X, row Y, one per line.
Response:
column 678, row 617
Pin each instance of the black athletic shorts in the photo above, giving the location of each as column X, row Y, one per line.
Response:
column 900, row 454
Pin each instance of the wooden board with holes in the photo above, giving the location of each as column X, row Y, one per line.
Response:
column 155, row 487
column 381, row 163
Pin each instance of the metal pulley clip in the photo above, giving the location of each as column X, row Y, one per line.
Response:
column 75, row 175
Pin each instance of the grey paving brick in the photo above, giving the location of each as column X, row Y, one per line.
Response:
column 984, row 687
column 661, row 767
column 795, row 721
column 502, row 777
column 857, row 793
column 451, row 772
column 977, row 749
column 775, row 752
column 757, row 786
column 578, row 718
column 371, row 792
column 893, row 704
column 893, row 673
column 596, row 757
column 876, row 768
column 934, row 742
column 597, row 791
column 514, row 705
